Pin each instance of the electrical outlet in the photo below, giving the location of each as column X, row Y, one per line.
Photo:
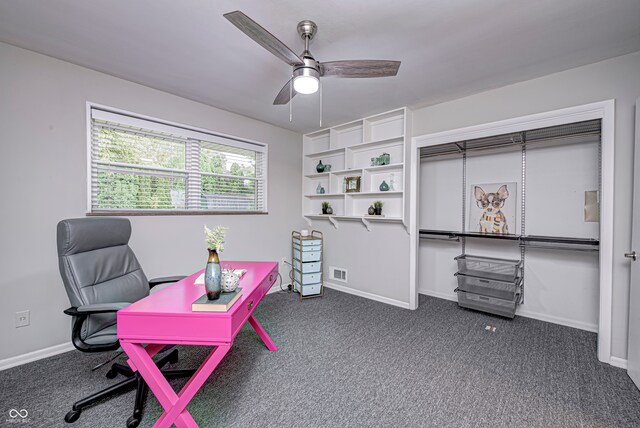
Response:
column 22, row 318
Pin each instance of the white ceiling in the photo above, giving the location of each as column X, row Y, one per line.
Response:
column 448, row 48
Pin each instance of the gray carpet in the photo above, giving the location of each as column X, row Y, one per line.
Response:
column 346, row 361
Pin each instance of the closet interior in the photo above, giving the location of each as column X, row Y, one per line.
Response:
column 514, row 212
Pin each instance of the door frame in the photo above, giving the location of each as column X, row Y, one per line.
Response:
column 604, row 110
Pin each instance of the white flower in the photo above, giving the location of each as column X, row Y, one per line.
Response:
column 215, row 237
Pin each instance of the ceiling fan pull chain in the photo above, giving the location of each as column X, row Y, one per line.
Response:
column 291, row 99
column 320, row 87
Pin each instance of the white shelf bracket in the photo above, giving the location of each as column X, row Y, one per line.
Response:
column 309, row 222
column 366, row 223
column 334, row 222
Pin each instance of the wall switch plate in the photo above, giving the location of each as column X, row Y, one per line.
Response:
column 22, row 318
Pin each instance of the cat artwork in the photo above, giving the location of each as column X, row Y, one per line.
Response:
column 494, row 208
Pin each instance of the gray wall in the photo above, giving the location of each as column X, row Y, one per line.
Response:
column 617, row 78
column 43, row 173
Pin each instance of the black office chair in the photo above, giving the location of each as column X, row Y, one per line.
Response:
column 102, row 275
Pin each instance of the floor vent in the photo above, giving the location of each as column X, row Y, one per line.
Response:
column 339, row 274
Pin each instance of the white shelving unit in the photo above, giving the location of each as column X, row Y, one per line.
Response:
column 348, row 148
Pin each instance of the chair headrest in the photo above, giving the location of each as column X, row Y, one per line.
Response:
column 78, row 235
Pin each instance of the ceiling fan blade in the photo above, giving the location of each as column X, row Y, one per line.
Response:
column 360, row 68
column 264, row 38
column 285, row 94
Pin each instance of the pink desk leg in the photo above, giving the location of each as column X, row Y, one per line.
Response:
column 173, row 404
column 263, row 334
column 152, row 350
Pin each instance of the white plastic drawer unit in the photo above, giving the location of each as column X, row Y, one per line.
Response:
column 308, row 267
column 307, row 256
column 307, row 290
column 306, row 278
column 309, row 242
column 314, row 247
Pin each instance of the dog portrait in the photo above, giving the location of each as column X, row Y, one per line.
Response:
column 492, row 208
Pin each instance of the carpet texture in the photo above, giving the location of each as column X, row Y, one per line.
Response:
column 344, row 361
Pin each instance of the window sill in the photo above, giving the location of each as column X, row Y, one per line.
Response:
column 168, row 212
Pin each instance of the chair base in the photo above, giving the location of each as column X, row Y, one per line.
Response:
column 134, row 380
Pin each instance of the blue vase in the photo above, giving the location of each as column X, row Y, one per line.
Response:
column 384, row 186
column 213, row 276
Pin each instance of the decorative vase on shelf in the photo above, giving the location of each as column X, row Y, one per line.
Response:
column 329, row 210
column 320, row 189
column 371, row 210
column 320, row 166
column 384, row 186
column 213, row 276
column 385, row 159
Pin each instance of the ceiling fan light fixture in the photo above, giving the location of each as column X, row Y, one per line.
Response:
column 306, row 80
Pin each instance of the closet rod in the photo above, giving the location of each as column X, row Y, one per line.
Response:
column 531, row 240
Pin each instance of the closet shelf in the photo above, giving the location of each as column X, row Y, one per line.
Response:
column 530, row 241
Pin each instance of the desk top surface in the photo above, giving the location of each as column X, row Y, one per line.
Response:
column 176, row 299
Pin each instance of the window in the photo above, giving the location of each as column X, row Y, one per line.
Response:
column 143, row 165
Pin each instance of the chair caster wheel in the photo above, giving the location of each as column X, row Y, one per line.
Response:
column 72, row 416
column 111, row 374
column 133, row 422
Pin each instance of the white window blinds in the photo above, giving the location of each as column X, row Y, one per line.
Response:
column 143, row 165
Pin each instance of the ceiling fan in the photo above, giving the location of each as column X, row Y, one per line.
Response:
column 306, row 70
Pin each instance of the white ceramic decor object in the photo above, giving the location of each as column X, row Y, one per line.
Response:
column 230, row 281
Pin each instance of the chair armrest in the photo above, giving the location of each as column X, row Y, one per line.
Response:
column 157, row 281
column 98, row 308
column 80, row 314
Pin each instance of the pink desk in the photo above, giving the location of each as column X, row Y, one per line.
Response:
column 165, row 318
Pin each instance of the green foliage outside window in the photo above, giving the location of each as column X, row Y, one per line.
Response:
column 127, row 186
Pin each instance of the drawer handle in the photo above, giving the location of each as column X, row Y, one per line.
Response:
column 270, row 278
column 250, row 305
column 484, row 281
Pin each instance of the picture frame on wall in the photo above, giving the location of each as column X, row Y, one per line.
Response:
column 353, row 184
column 492, row 208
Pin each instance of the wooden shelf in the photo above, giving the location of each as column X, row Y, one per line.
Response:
column 325, row 153
column 374, row 144
column 397, row 166
column 349, row 148
column 368, row 194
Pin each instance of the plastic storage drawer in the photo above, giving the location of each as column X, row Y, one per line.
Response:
column 489, row 267
column 502, row 307
column 307, row 242
column 308, row 267
column 306, row 278
column 489, row 287
column 308, row 289
column 307, row 256
column 316, row 247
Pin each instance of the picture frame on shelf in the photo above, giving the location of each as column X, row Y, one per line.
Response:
column 353, row 184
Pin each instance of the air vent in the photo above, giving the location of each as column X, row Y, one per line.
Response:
column 339, row 274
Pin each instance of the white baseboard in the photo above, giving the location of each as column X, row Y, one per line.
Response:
column 618, row 362
column 557, row 320
column 35, row 355
column 446, row 296
column 366, row 295
column 523, row 312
